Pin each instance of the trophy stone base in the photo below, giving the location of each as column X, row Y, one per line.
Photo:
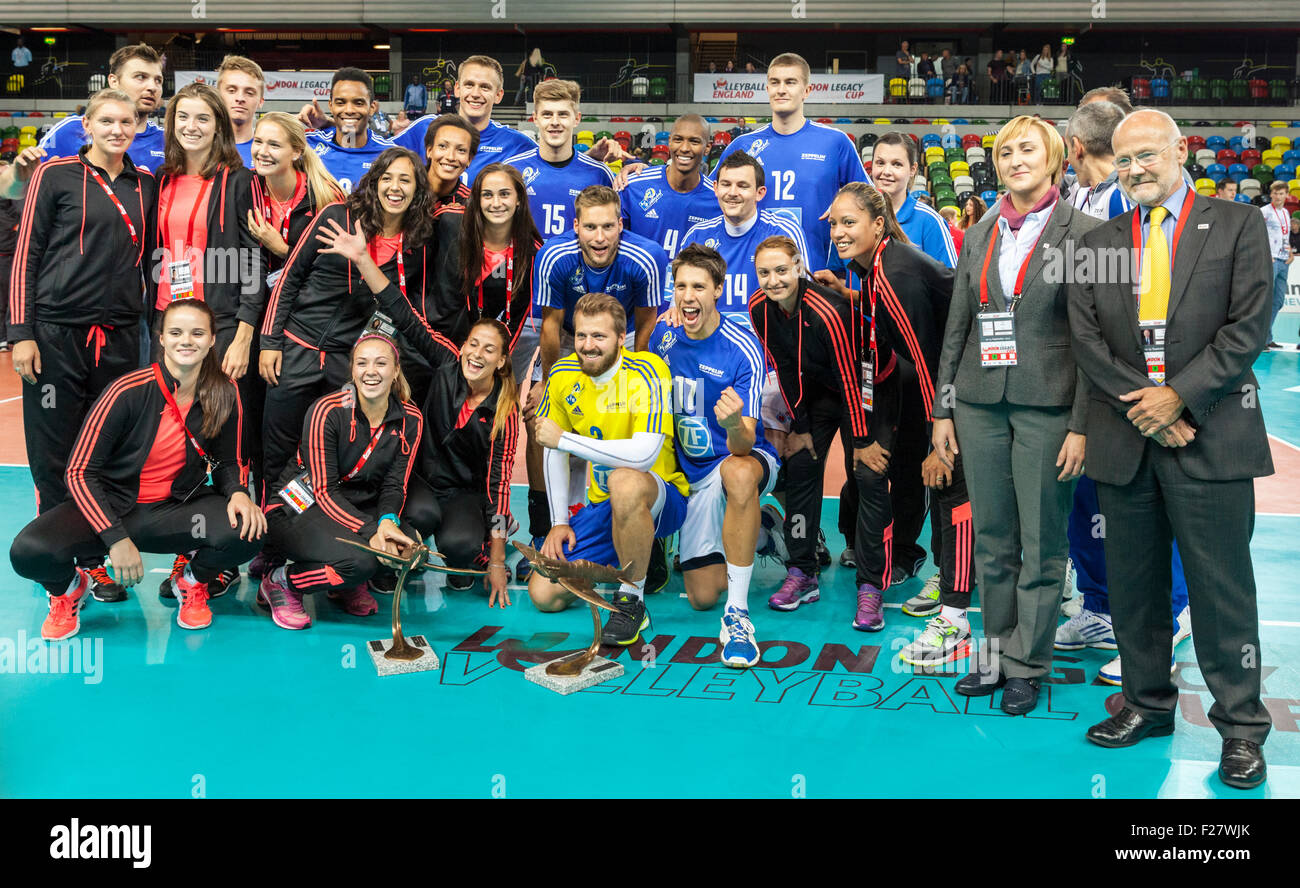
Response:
column 597, row 671
column 427, row 662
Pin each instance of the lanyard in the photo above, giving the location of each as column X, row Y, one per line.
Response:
column 365, row 454
column 299, row 191
column 1283, row 221
column 510, row 281
column 135, row 238
column 401, row 266
column 1178, row 233
column 176, row 414
column 194, row 211
column 1020, row 278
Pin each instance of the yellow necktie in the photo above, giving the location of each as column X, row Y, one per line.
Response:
column 1153, row 293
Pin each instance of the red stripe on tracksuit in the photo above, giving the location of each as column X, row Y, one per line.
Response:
column 845, row 359
column 413, row 411
column 506, row 444
column 18, row 279
column 268, row 321
column 961, row 520
column 904, row 325
column 75, row 474
column 316, row 462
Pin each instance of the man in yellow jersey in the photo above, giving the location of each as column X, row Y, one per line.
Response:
column 613, row 408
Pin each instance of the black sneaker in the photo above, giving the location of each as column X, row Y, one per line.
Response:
column 384, row 582
column 823, row 553
column 459, row 582
column 102, row 586
column 624, row 626
column 216, row 588
column 904, row 572
column 656, row 577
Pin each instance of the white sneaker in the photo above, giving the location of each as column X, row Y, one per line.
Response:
column 1110, row 673
column 1086, row 629
column 1182, row 626
column 772, row 521
column 1067, row 587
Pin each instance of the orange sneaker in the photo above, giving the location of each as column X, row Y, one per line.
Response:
column 64, row 620
column 194, row 612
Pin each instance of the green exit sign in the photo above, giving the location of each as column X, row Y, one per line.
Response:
column 49, row 41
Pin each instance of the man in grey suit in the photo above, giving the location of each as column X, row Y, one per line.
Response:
column 1176, row 437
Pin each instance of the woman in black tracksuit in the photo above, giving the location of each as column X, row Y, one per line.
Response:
column 74, row 295
column 290, row 187
column 203, row 248
column 137, row 476
column 461, row 492
column 908, row 293
column 322, row 301
column 833, row 376
column 349, row 480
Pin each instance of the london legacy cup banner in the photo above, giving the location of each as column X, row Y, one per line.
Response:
column 280, row 85
column 827, row 89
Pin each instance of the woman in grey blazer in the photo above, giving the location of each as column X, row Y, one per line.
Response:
column 1009, row 395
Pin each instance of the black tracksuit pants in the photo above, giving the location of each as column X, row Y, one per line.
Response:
column 454, row 518
column 72, row 376
column 46, row 549
column 804, row 475
column 952, row 537
column 317, row 561
column 305, row 375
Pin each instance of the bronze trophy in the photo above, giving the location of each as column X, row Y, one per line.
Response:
column 399, row 655
column 574, row 672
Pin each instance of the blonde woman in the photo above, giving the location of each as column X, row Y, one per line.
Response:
column 1016, row 410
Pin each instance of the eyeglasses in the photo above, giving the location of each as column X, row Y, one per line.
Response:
column 1144, row 160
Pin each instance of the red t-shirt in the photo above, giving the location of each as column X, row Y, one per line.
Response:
column 466, row 411
column 166, row 458
column 176, row 206
column 383, row 249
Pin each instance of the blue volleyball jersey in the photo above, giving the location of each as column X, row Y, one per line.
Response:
column 701, row 370
column 651, row 208
column 738, row 252
column 496, row 143
column 245, row 150
column 552, row 187
column 634, row 278
column 68, row 135
column 928, row 231
column 347, row 165
column 804, row 172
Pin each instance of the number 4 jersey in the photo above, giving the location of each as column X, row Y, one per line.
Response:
column 736, row 246
column 702, row 369
column 653, row 209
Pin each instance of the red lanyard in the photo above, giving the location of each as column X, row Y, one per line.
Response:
column 1178, row 233
column 135, row 238
column 176, row 413
column 365, row 454
column 1283, row 221
column 1020, row 278
column 299, row 190
column 194, row 211
column 401, row 266
column 510, row 281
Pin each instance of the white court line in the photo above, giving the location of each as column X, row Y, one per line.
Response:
column 1283, row 623
column 14, row 398
column 1282, row 441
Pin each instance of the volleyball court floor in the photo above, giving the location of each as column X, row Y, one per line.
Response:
column 137, row 707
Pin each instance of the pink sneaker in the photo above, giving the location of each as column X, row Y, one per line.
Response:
column 798, row 588
column 357, row 601
column 285, row 604
column 871, row 615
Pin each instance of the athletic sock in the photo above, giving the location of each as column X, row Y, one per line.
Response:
column 738, row 585
column 72, row 586
column 280, row 576
column 636, row 590
column 188, row 574
column 956, row 616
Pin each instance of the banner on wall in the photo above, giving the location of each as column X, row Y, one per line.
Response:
column 1292, row 304
column 280, row 85
column 827, row 89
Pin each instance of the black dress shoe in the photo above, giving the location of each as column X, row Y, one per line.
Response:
column 979, row 684
column 1125, row 728
column 1020, row 695
column 1242, row 764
